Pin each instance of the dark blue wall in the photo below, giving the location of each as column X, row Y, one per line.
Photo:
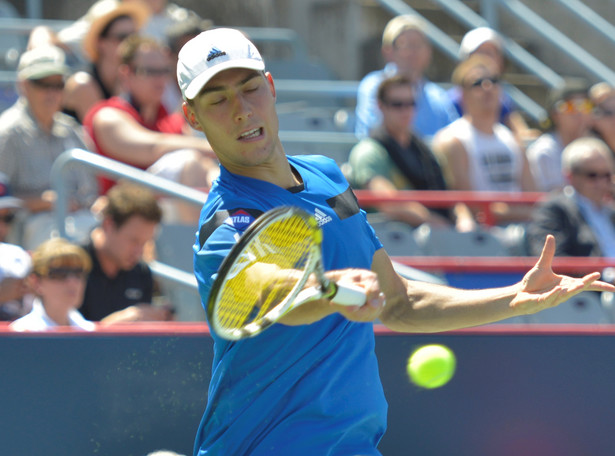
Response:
column 534, row 393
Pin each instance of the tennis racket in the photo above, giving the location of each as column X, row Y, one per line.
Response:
column 264, row 276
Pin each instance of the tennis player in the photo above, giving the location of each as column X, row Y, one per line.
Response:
column 310, row 386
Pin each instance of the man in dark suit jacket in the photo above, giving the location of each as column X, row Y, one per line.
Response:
column 582, row 215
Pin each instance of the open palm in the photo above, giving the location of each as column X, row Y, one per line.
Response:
column 541, row 288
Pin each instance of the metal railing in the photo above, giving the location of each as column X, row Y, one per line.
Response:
column 516, row 53
column 112, row 168
column 450, row 48
column 488, row 17
column 556, row 38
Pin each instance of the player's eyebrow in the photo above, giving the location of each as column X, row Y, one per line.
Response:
column 219, row 88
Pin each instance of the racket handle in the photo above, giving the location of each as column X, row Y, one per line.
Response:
column 349, row 295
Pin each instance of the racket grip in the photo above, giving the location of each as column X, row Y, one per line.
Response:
column 349, row 295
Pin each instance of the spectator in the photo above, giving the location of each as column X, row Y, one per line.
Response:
column 581, row 215
column 178, row 34
column 602, row 96
column 136, row 129
column 121, row 283
column 393, row 158
column 110, row 23
column 33, row 133
column 59, row 270
column 486, row 41
column 15, row 264
column 164, row 15
column 407, row 51
column 9, row 206
column 477, row 152
column 72, row 37
column 570, row 118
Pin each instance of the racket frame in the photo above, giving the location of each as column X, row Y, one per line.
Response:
column 295, row 298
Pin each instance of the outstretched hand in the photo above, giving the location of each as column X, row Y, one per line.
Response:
column 541, row 288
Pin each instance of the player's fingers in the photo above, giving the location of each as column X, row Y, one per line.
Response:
column 547, row 254
column 590, row 278
column 377, row 301
column 592, row 283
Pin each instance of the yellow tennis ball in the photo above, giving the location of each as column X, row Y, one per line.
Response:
column 431, row 366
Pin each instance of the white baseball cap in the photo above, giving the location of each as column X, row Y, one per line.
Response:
column 42, row 61
column 211, row 52
column 475, row 38
column 15, row 262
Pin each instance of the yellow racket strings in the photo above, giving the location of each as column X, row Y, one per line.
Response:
column 266, row 272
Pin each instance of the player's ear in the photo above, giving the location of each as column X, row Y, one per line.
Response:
column 271, row 83
column 190, row 117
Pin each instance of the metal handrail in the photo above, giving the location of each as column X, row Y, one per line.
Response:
column 590, row 17
column 559, row 40
column 516, row 53
column 111, row 168
column 451, row 48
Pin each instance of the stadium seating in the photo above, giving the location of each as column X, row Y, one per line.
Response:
column 174, row 248
column 584, row 308
column 449, row 242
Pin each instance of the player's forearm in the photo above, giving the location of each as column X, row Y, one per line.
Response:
column 308, row 313
column 435, row 308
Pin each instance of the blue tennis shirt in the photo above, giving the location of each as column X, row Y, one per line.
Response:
column 300, row 390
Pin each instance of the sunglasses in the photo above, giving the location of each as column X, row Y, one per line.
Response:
column 594, row 176
column 56, row 86
column 485, row 82
column 583, row 106
column 151, row 71
column 8, row 218
column 400, row 104
column 65, row 273
column 603, row 112
column 117, row 37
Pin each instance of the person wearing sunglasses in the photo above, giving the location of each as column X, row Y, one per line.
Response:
column 108, row 24
column 135, row 128
column 602, row 96
column 570, row 118
column 33, row 133
column 479, row 153
column 58, row 278
column 408, row 52
column 487, row 41
column 394, row 158
column 581, row 216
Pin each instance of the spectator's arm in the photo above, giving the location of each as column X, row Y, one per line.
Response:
column 124, row 139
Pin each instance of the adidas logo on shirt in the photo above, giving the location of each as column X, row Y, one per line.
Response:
column 321, row 217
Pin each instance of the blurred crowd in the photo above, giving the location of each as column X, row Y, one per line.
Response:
column 107, row 84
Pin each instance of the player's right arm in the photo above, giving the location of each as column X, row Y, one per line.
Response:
column 413, row 306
